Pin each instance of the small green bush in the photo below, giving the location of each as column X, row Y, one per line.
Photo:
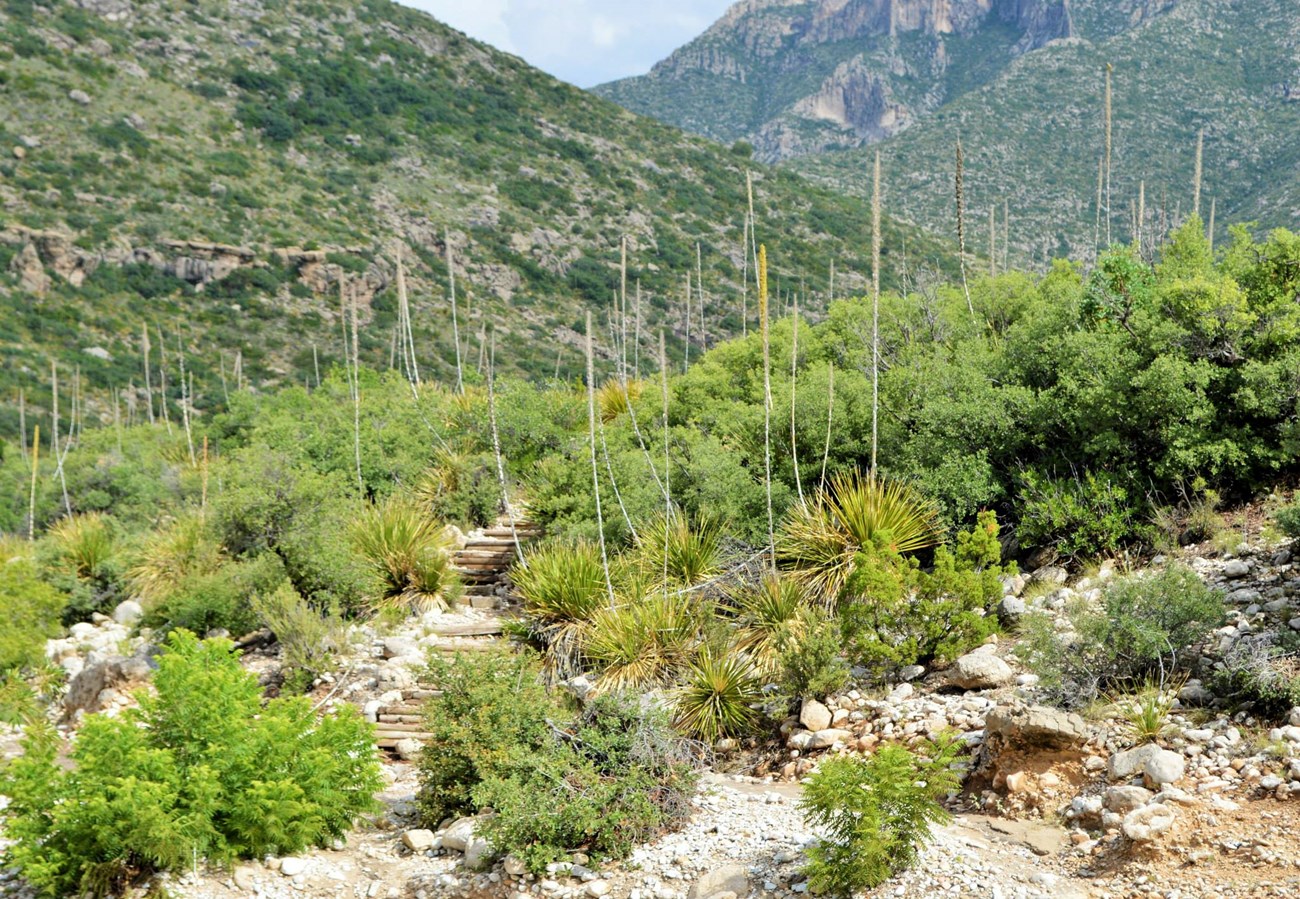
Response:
column 202, row 769
column 222, row 599
column 309, row 640
column 898, row 614
column 1288, row 520
column 810, row 661
column 1080, row 517
column 1139, row 630
column 876, row 813
column 1260, row 674
column 605, row 781
column 29, row 607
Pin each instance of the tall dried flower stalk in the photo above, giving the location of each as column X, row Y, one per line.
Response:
column 959, row 186
column 1197, row 173
column 595, row 471
column 764, row 329
column 455, row 313
column 1110, row 143
column 875, row 300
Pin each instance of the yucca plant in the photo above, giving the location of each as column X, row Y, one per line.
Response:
column 719, row 695
column 1146, row 712
column 820, row 539
column 614, row 397
column 181, row 549
column 692, row 546
column 768, row 614
column 83, row 544
column 562, row 588
column 409, row 554
column 642, row 643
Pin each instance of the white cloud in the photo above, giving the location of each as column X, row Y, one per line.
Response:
column 586, row 42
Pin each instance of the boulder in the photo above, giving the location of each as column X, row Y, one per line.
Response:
column 478, row 854
column 245, row 879
column 1011, row 610
column 814, row 716
column 408, row 750
column 459, row 835
column 1051, row 574
column 722, row 879
column 419, row 840
column 398, row 647
column 98, row 676
column 79, row 97
column 980, row 670
column 825, row 739
column 1036, row 727
column 1145, row 824
column 1236, row 568
column 1123, row 800
column 1157, row 766
column 292, row 866
column 128, row 612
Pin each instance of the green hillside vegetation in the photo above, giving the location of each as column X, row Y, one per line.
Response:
column 332, row 131
column 1033, row 136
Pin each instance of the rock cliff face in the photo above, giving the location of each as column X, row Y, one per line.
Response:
column 798, row 78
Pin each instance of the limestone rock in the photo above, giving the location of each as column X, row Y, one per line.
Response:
column 825, row 739
column 1145, row 824
column 419, row 840
column 80, row 97
column 980, row 670
column 26, row 264
column 460, row 834
column 244, row 879
column 1157, row 766
column 1236, row 568
column 1123, row 800
column 1036, row 726
column 292, row 866
column 723, row 879
column 128, row 612
column 478, row 854
column 814, row 715
column 408, row 750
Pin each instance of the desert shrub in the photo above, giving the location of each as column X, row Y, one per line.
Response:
column 202, row 768
column 562, row 587
column 691, row 549
column 1288, row 520
column 897, row 614
column 1080, row 517
column 180, row 549
column 604, row 781
column 29, row 608
column 811, row 664
column 80, row 555
column 821, row 539
column 409, row 555
column 876, row 812
column 461, row 488
column 309, row 640
column 643, row 642
column 221, row 599
column 767, row 613
column 1140, row 629
column 1260, row 674
column 719, row 695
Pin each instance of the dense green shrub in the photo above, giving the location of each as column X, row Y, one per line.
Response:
column 1082, row 517
column 221, row 599
column 80, row 555
column 202, row 769
column 810, row 660
column 1288, row 520
column 1140, row 629
column 604, row 781
column 899, row 614
column 30, row 609
column 875, row 813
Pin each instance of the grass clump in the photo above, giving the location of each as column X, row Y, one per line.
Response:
column 201, row 769
column 409, row 557
column 876, row 812
column 1139, row 630
column 601, row 780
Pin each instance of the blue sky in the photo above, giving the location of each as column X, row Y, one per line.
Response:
column 585, row 42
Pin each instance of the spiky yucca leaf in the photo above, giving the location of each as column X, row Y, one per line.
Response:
column 612, row 398
column 718, row 697
column 767, row 613
column 820, row 538
column 562, row 587
column 409, row 554
column 183, row 548
column 693, row 546
column 83, row 544
column 642, row 643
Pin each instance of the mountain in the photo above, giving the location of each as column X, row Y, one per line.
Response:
column 211, row 170
column 1021, row 81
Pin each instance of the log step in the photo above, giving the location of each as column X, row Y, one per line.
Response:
column 490, row 628
column 385, row 720
column 390, row 741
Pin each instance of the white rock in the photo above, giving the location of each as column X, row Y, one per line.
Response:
column 459, row 835
column 980, row 670
column 128, row 612
column 1149, row 822
column 597, row 888
column 814, row 715
column 292, row 866
column 1236, row 568
column 419, row 840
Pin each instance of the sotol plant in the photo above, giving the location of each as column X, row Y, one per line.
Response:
column 409, row 555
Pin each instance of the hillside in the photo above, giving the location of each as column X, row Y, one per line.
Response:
column 212, row 170
column 1021, row 82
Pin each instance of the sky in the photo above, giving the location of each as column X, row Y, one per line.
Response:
column 584, row 42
